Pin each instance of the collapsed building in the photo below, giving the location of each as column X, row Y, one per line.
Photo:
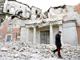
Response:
column 30, row 24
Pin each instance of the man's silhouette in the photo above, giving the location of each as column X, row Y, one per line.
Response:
column 58, row 43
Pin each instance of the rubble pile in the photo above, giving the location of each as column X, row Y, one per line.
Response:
column 29, row 51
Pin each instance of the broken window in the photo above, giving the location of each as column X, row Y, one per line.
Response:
column 28, row 15
column 1, row 21
column 46, row 14
column 12, row 10
column 8, row 10
column 20, row 13
column 9, row 27
column 8, row 38
column 36, row 12
column 0, row 35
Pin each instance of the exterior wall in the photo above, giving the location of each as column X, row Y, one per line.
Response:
column 4, row 31
column 23, row 34
column 78, row 33
column 55, row 31
column 70, row 33
column 16, row 33
column 30, row 34
column 35, row 15
column 77, row 15
column 77, row 8
column 19, row 7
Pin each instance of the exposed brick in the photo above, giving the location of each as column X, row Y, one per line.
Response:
column 77, row 8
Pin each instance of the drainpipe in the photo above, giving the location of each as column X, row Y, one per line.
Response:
column 16, row 36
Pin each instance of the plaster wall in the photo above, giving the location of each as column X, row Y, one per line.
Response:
column 18, row 7
column 55, row 31
column 23, row 34
column 70, row 33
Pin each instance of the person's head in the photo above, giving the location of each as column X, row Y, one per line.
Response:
column 59, row 32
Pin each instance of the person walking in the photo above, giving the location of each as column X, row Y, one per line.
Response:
column 58, row 44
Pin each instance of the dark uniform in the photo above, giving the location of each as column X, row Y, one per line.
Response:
column 58, row 40
column 58, row 44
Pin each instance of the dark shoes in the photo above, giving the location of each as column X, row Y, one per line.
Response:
column 60, row 57
column 53, row 52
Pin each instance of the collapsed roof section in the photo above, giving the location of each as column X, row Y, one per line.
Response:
column 24, row 12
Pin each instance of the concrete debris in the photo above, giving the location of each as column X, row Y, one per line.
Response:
column 35, row 13
column 24, row 12
column 29, row 51
column 4, row 49
column 28, row 15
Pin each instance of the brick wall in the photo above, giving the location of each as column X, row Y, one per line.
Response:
column 77, row 8
column 15, row 32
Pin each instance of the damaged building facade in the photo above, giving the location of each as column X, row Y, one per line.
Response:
column 30, row 24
